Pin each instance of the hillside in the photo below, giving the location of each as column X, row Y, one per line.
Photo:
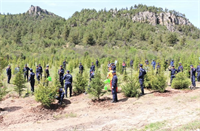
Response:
column 141, row 27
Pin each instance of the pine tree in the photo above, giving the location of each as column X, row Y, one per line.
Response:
column 80, row 84
column 136, row 62
column 19, row 83
column 181, row 81
column 96, row 86
column 125, row 77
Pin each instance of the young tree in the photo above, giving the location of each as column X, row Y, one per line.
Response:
column 80, row 84
column 19, row 83
column 96, row 86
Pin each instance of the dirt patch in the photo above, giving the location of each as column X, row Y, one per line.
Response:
column 167, row 93
column 1, row 119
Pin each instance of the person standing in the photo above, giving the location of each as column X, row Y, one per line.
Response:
column 123, row 66
column 81, row 68
column 97, row 63
column 32, row 79
column 113, row 67
column 142, row 73
column 116, row 62
column 158, row 68
column 91, row 75
column 17, row 69
column 198, row 73
column 153, row 63
column 38, row 74
column 131, row 63
column 173, row 73
column 61, row 72
column 180, row 68
column 68, row 83
column 172, row 63
column 40, row 71
column 64, row 64
column 9, row 73
column 109, row 66
column 114, row 87
column 92, row 68
column 46, row 75
column 26, row 72
column 192, row 76
column 146, row 62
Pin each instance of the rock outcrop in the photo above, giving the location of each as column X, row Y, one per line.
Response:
column 36, row 10
column 165, row 19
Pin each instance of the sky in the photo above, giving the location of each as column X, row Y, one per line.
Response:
column 66, row 8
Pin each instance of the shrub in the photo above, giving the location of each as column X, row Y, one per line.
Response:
column 80, row 84
column 19, row 83
column 132, row 87
column 159, row 83
column 180, row 81
column 96, row 86
column 3, row 91
column 125, row 77
column 45, row 95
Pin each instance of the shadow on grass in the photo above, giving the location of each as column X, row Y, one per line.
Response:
column 12, row 108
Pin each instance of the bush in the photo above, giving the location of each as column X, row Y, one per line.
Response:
column 132, row 87
column 96, row 86
column 159, row 83
column 80, row 84
column 180, row 81
column 45, row 95
column 3, row 91
column 19, row 83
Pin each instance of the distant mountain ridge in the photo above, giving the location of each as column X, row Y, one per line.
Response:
column 36, row 10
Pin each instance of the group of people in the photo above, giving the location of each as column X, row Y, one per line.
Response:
column 111, row 75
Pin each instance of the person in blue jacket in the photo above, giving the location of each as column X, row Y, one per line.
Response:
column 173, row 73
column 60, row 97
column 180, row 68
column 192, row 76
column 61, row 72
column 142, row 73
column 92, row 68
column 68, row 83
column 198, row 73
column 153, row 63
column 114, row 87
column 9, row 73
column 32, row 79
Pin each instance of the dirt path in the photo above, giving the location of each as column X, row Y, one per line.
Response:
column 174, row 108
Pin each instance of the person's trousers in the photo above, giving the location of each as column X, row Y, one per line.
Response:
column 142, row 85
column 114, row 93
column 68, row 85
column 32, row 82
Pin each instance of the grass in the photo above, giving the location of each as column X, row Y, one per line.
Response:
column 155, row 126
column 189, row 126
column 70, row 115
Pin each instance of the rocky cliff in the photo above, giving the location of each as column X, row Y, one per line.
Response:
column 36, row 10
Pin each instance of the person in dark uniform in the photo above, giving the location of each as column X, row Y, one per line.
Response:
column 131, row 63
column 68, row 83
column 40, row 71
column 180, row 68
column 91, row 75
column 142, row 73
column 113, row 67
column 173, row 73
column 146, row 62
column 64, row 64
column 192, row 76
column 114, row 87
column 60, row 96
column 26, row 72
column 9, row 73
column 32, row 79
column 46, row 75
column 97, row 63
column 92, row 67
column 158, row 68
column 81, row 68
column 17, row 69
column 198, row 73
column 38, row 74
column 61, row 72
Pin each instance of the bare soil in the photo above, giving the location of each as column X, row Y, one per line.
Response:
column 176, row 107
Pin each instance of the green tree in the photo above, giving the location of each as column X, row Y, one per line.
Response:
column 80, row 84
column 88, row 39
column 19, row 83
column 181, row 81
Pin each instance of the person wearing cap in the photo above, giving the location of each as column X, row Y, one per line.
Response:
column 172, row 63
column 40, row 71
column 9, row 73
column 166, row 64
column 153, row 63
column 198, row 73
column 131, row 63
column 173, row 73
column 26, row 72
column 68, row 82
column 192, row 76
column 61, row 72
column 123, row 66
column 142, row 73
column 81, row 68
column 32, row 79
column 97, row 63
column 92, row 68
column 113, row 67
column 60, row 97
column 37, row 74
column 64, row 64
column 110, row 77
column 180, row 68
column 114, row 87
column 146, row 62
